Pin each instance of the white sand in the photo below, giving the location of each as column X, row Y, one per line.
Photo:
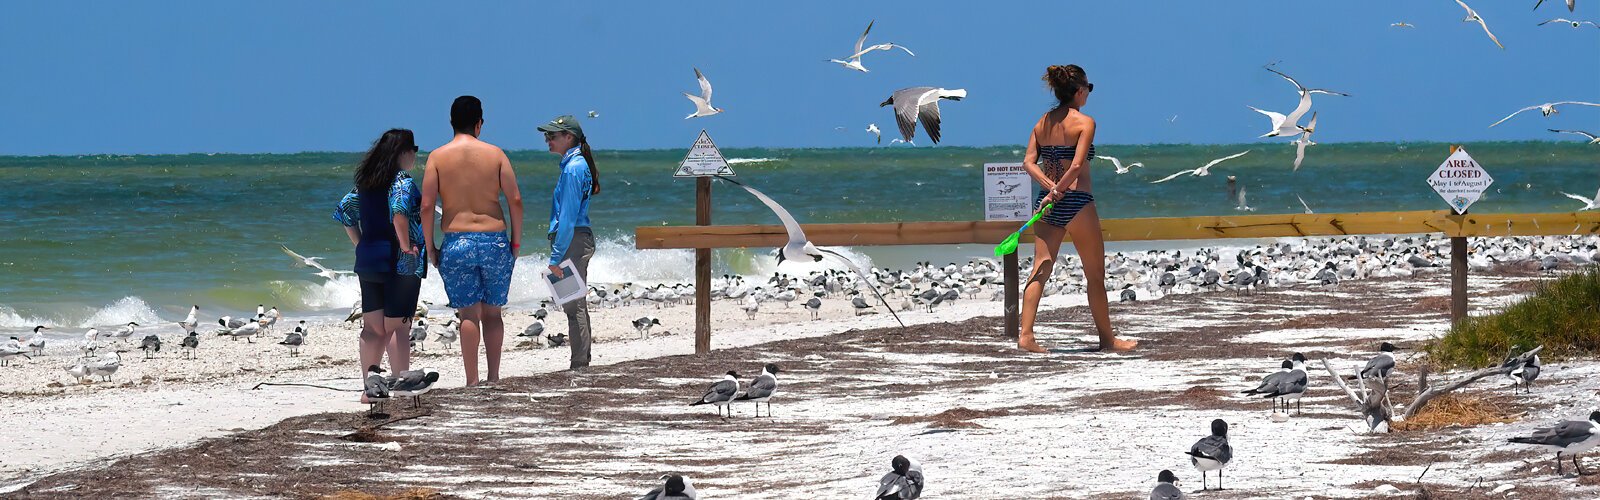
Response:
column 168, row 401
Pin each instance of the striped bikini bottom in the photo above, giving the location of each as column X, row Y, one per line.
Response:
column 1065, row 209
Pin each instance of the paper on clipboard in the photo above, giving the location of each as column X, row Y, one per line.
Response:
column 566, row 289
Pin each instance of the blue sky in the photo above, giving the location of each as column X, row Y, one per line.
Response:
column 286, row 76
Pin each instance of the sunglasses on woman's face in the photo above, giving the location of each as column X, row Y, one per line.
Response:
column 415, row 148
column 549, row 136
column 1090, row 87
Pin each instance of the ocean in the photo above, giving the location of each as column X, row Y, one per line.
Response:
column 103, row 240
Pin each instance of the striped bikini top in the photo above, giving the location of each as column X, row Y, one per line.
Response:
column 1054, row 159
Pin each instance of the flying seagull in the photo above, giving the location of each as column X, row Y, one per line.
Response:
column 1545, row 109
column 1289, row 125
column 1571, row 4
column 1212, row 453
column 702, row 102
column 1202, row 171
column 872, row 128
column 721, row 393
column 1472, row 16
column 854, row 61
column 1303, row 204
column 1588, row 203
column 915, row 104
column 1402, row 24
column 1118, row 164
column 799, row 247
column 1569, row 437
column 1593, row 139
column 1575, row 24
column 903, row 482
column 1303, row 141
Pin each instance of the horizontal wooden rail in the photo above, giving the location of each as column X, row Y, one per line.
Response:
column 1135, row 229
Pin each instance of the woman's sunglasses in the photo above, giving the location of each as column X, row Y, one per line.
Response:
column 1090, row 87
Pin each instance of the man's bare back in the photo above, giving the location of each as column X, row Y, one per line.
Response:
column 471, row 176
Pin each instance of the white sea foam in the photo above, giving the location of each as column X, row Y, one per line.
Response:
column 121, row 312
column 10, row 319
column 736, row 161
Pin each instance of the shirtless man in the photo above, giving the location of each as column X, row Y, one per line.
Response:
column 467, row 177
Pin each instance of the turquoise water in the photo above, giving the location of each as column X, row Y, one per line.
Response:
column 98, row 240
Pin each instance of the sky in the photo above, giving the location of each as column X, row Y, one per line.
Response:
column 288, row 76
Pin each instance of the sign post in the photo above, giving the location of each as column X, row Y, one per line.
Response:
column 703, row 161
column 1460, row 180
column 1007, row 195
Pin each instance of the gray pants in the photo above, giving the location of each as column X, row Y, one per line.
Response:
column 580, row 251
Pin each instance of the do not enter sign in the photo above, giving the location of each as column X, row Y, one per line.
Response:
column 1460, row 180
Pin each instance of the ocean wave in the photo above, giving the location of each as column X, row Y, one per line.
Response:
column 736, row 161
column 120, row 312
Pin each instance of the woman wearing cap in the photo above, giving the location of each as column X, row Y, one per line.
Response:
column 570, row 236
column 382, row 216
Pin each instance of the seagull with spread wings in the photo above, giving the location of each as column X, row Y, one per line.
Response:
column 798, row 247
column 1303, row 141
column 1575, row 24
column 1571, row 4
column 1202, row 171
column 1588, row 203
column 1118, row 164
column 702, row 102
column 1545, row 109
column 920, row 104
column 1593, row 139
column 854, row 61
column 1289, row 125
column 1473, row 17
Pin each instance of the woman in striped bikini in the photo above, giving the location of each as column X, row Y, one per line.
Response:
column 1058, row 158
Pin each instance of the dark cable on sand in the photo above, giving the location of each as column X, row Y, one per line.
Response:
column 258, row 386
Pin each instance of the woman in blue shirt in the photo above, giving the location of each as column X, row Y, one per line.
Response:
column 383, row 218
column 570, row 236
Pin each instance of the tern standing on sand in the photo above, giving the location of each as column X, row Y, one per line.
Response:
column 382, row 217
column 570, row 235
column 1059, row 149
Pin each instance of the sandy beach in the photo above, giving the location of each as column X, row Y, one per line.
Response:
column 948, row 391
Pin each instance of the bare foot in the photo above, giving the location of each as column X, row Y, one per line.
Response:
column 1118, row 345
column 1028, row 344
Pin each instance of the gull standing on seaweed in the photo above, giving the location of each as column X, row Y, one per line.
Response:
column 721, row 393
column 675, row 487
column 1166, row 487
column 762, row 389
column 920, row 104
column 1212, row 453
column 903, row 482
column 1569, row 437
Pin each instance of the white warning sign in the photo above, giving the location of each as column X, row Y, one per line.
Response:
column 1007, row 192
column 1460, row 180
column 703, row 160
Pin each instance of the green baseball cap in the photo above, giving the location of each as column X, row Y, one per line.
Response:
column 564, row 123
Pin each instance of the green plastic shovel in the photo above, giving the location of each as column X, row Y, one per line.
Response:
column 1009, row 246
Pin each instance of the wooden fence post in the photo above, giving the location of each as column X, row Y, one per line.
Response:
column 1458, row 272
column 702, row 269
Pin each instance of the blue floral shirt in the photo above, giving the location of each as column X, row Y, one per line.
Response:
column 405, row 197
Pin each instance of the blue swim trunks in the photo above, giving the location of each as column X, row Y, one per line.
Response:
column 476, row 268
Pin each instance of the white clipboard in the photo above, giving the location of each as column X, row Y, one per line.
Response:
column 568, row 288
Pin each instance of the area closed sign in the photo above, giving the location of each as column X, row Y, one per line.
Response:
column 1460, row 180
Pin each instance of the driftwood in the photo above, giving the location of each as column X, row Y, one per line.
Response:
column 1433, row 392
column 1371, row 403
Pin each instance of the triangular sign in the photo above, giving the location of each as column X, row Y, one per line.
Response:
column 704, row 159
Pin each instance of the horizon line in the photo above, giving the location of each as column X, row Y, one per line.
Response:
column 903, row 148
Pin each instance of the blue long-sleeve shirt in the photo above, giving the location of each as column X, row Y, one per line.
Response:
column 569, row 208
